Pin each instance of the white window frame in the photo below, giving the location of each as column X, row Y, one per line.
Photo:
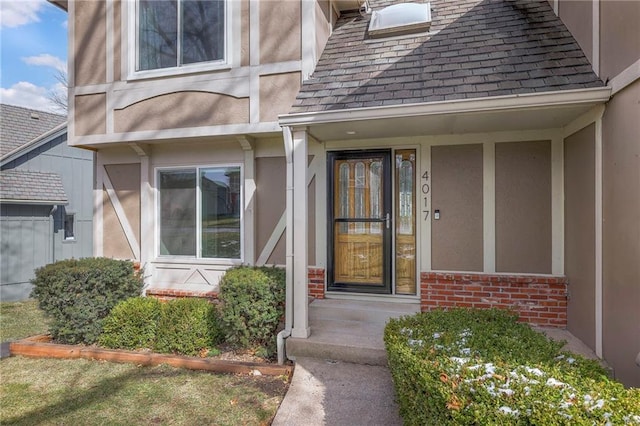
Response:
column 232, row 32
column 64, row 227
column 198, row 256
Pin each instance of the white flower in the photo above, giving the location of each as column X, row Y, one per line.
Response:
column 436, row 335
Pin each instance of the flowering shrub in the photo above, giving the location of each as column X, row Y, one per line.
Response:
column 467, row 366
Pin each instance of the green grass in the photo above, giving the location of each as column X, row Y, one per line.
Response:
column 21, row 319
column 97, row 393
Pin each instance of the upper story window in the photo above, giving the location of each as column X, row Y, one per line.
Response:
column 180, row 33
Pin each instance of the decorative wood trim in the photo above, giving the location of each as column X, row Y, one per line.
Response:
column 598, row 234
column 557, row 205
column 596, row 36
column 489, row 206
column 98, row 210
column 625, row 78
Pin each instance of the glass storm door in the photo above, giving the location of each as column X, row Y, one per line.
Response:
column 360, row 221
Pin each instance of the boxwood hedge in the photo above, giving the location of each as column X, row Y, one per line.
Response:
column 466, row 366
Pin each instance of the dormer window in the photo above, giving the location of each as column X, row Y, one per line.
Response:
column 179, row 33
column 400, row 19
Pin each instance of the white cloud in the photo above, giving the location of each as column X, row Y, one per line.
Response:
column 47, row 60
column 14, row 13
column 28, row 95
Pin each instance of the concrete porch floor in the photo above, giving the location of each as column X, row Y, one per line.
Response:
column 352, row 331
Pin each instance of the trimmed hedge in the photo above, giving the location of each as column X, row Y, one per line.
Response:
column 466, row 366
column 252, row 306
column 132, row 324
column 79, row 293
column 188, row 326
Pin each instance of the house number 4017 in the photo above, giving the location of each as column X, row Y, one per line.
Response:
column 425, row 191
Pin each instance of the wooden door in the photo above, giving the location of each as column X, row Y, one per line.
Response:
column 360, row 221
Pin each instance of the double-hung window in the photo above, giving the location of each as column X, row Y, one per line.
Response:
column 179, row 33
column 200, row 212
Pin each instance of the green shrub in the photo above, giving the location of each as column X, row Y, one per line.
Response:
column 252, row 305
column 79, row 294
column 482, row 367
column 188, row 327
column 132, row 324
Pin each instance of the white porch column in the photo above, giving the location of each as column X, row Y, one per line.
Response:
column 300, row 238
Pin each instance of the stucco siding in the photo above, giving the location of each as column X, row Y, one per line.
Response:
column 182, row 110
column 277, row 93
column 457, row 237
column 125, row 179
column 523, row 207
column 579, row 250
column 270, row 201
column 619, row 36
column 89, row 44
column 90, row 114
column 280, row 37
column 578, row 17
column 621, row 234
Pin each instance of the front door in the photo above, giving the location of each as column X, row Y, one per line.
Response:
column 360, row 212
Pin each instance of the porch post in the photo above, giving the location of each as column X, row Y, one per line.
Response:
column 300, row 237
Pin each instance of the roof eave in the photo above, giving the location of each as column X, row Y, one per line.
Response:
column 494, row 103
column 34, row 202
column 57, row 131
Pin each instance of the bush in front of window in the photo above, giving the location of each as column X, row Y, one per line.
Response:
column 79, row 293
column 132, row 324
column 252, row 306
column 188, row 326
column 466, row 366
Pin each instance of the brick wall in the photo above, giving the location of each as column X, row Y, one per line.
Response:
column 166, row 294
column 537, row 300
column 316, row 283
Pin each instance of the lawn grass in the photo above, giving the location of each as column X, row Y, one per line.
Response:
column 21, row 319
column 48, row 391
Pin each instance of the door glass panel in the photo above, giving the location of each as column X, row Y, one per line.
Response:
column 405, row 222
column 358, row 237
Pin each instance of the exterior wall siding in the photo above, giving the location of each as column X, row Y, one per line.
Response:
column 30, row 236
column 621, row 234
column 579, row 156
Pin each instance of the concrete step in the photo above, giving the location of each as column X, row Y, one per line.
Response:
column 347, row 341
column 347, row 331
column 351, row 310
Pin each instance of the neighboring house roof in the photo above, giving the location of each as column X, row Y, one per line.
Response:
column 29, row 187
column 474, row 49
column 19, row 126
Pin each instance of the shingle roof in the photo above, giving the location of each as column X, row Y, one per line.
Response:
column 31, row 187
column 475, row 49
column 19, row 126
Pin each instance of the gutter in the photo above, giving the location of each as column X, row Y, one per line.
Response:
column 288, row 313
column 35, row 202
column 492, row 103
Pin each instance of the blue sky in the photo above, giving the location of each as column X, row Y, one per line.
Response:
column 33, row 44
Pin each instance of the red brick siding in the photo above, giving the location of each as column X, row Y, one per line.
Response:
column 166, row 294
column 316, row 283
column 537, row 300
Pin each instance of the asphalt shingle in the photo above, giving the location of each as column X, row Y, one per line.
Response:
column 30, row 186
column 19, row 126
column 475, row 48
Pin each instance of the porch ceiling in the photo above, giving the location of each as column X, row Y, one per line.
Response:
column 529, row 112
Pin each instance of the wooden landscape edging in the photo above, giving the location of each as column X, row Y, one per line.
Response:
column 40, row 347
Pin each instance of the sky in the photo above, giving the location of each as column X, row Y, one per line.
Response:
column 33, row 45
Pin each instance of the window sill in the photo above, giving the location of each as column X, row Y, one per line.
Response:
column 178, row 71
column 194, row 261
